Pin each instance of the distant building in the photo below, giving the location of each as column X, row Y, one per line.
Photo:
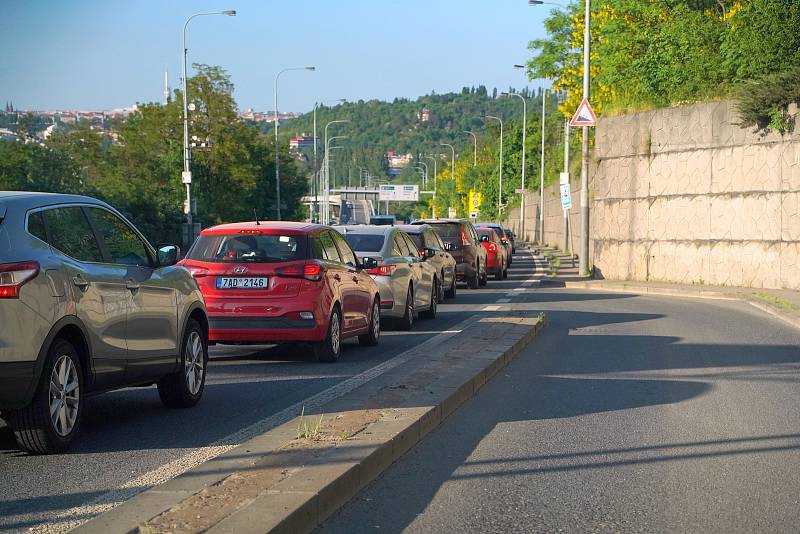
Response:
column 397, row 162
column 424, row 115
column 302, row 142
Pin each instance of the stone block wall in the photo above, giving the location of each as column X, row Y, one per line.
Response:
column 685, row 195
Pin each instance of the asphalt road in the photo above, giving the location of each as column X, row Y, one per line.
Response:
column 127, row 435
column 628, row 414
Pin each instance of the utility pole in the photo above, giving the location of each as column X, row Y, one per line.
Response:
column 500, row 187
column 522, row 185
column 475, row 152
column 541, row 179
column 566, row 172
column 583, row 265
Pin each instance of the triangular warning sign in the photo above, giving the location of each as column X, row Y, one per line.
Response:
column 584, row 116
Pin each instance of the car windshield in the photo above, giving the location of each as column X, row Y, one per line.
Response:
column 449, row 232
column 238, row 248
column 365, row 242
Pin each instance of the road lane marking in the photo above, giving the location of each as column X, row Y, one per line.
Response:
column 71, row 518
column 491, row 308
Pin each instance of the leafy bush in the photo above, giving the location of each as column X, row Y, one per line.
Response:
column 764, row 102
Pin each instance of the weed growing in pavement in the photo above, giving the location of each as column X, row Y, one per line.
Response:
column 541, row 316
column 783, row 303
column 306, row 430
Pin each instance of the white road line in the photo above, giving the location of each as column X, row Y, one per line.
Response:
column 73, row 517
column 491, row 308
column 504, row 301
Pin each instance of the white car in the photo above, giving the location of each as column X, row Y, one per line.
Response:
column 407, row 282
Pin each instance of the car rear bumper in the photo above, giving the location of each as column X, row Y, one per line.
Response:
column 267, row 329
column 17, row 384
column 391, row 305
column 464, row 271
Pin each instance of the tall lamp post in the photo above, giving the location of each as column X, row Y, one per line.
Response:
column 500, row 189
column 475, row 152
column 452, row 165
column 425, row 175
column 277, row 153
column 326, row 193
column 315, row 208
column 186, row 177
column 583, row 260
column 522, row 186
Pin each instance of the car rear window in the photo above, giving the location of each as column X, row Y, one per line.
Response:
column 449, row 232
column 417, row 239
column 239, row 248
column 484, row 231
column 365, row 242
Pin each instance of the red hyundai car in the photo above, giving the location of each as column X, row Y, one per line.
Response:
column 283, row 281
column 496, row 252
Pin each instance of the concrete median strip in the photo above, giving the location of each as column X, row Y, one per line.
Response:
column 293, row 476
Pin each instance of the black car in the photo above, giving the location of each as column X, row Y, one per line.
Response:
column 463, row 243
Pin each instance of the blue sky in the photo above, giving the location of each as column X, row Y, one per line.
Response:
column 101, row 54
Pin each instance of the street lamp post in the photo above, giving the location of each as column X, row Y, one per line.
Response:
column 475, row 152
column 500, row 189
column 583, row 260
column 326, row 193
column 315, row 209
column 277, row 153
column 452, row 165
column 522, row 187
column 541, row 174
column 424, row 176
column 186, row 178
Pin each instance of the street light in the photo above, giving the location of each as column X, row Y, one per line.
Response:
column 475, row 153
column 452, row 165
column 424, row 176
column 186, row 178
column 315, row 209
column 522, row 186
column 500, row 194
column 583, row 259
column 277, row 155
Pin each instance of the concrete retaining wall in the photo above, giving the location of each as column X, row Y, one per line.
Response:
column 685, row 195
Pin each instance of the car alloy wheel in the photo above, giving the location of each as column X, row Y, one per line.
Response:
column 193, row 363
column 335, row 333
column 64, row 395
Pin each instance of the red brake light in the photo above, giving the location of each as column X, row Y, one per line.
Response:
column 197, row 272
column 492, row 247
column 464, row 240
column 251, row 232
column 383, row 270
column 309, row 271
column 15, row 275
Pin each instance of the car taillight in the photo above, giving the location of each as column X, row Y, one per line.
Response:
column 464, row 240
column 15, row 275
column 492, row 247
column 383, row 270
column 504, row 239
column 197, row 272
column 309, row 271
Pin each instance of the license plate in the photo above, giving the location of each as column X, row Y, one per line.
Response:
column 229, row 282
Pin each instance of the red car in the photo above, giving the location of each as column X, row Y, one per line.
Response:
column 268, row 282
column 496, row 252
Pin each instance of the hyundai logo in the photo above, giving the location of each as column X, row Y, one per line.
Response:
column 240, row 269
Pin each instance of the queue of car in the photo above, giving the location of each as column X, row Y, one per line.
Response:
column 88, row 305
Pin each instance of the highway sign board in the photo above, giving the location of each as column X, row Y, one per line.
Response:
column 399, row 193
column 566, row 196
column 584, row 116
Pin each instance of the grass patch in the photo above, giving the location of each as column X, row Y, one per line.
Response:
column 306, row 430
column 781, row 303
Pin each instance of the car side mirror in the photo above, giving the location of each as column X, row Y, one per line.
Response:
column 428, row 253
column 368, row 264
column 484, row 239
column 168, row 255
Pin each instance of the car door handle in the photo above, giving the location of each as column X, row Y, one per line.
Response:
column 80, row 282
column 133, row 286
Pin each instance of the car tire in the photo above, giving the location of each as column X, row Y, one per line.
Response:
column 505, row 273
column 35, row 429
column 407, row 321
column 373, row 335
column 499, row 274
column 436, row 290
column 474, row 281
column 329, row 350
column 484, row 278
column 451, row 293
column 184, row 388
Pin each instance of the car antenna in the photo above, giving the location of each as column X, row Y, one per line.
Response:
column 255, row 214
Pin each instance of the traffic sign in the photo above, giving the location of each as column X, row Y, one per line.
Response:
column 186, row 177
column 584, row 116
column 473, row 215
column 402, row 193
column 475, row 200
column 566, row 197
column 451, row 213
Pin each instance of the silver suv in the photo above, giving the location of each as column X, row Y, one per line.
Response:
column 86, row 306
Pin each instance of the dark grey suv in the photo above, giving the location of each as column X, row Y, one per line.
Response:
column 464, row 245
column 86, row 306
